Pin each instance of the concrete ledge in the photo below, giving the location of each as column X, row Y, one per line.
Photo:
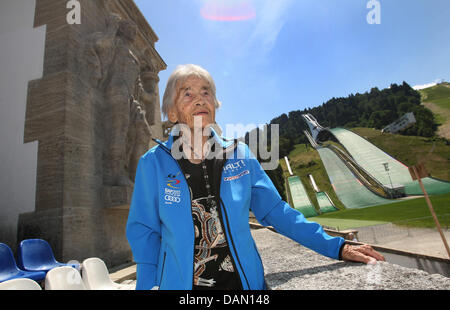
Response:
column 290, row 266
column 428, row 263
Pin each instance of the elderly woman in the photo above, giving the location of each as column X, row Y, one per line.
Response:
column 188, row 222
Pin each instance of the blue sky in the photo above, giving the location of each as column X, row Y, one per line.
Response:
column 294, row 54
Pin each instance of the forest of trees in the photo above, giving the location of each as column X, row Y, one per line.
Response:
column 374, row 109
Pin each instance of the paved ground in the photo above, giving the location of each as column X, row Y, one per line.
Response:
column 290, row 266
column 425, row 241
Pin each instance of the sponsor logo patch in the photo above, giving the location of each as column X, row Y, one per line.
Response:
column 172, row 193
column 172, row 181
column 232, row 167
column 235, row 177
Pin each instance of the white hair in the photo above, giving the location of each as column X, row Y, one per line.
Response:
column 180, row 74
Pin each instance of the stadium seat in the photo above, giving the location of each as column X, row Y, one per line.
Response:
column 20, row 284
column 9, row 269
column 64, row 278
column 37, row 255
column 95, row 275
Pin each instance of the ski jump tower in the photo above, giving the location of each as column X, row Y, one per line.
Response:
column 314, row 127
column 318, row 132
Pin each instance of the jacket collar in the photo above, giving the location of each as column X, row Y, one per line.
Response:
column 175, row 132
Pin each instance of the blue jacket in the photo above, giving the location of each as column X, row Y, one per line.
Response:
column 160, row 227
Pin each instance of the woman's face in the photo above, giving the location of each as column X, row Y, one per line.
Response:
column 194, row 99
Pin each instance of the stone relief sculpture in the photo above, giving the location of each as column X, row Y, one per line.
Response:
column 139, row 133
column 98, row 53
column 115, row 71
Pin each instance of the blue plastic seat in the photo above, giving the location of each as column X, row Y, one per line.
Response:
column 37, row 255
column 9, row 269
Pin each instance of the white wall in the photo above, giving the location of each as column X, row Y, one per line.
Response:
column 21, row 59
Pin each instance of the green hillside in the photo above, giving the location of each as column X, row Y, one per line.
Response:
column 411, row 213
column 438, row 94
column 437, row 99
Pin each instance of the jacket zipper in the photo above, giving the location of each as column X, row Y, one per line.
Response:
column 220, row 202
column 232, row 242
column 162, row 269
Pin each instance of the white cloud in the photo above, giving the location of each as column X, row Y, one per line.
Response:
column 270, row 19
column 423, row 86
column 258, row 34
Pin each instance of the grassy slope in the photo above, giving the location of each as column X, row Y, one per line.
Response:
column 437, row 99
column 413, row 212
column 439, row 94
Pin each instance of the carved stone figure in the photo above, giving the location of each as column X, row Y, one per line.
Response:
column 98, row 51
column 115, row 71
column 140, row 133
column 149, row 93
column 122, row 79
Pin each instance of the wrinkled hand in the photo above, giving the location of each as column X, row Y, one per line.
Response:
column 361, row 253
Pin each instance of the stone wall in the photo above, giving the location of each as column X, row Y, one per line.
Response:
column 93, row 113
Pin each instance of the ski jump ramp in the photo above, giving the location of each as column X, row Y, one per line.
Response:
column 326, row 205
column 372, row 159
column 300, row 199
column 350, row 191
